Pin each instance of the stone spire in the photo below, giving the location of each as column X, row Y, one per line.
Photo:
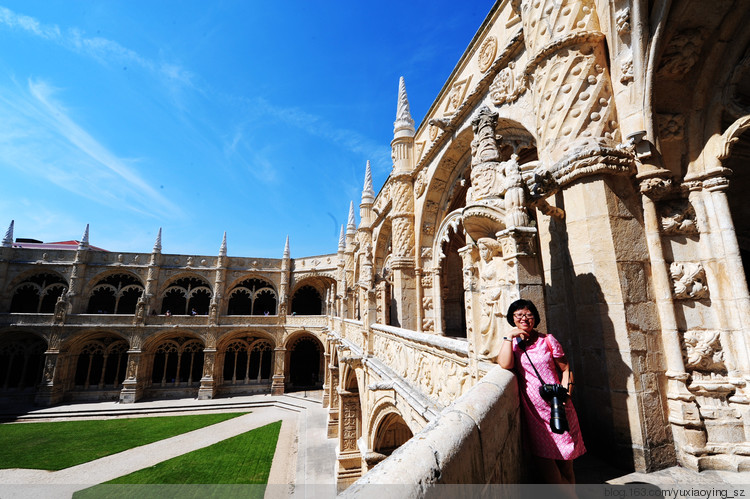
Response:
column 351, row 226
column 157, row 243
column 84, row 244
column 223, row 249
column 8, row 239
column 404, row 124
column 368, row 193
column 286, row 248
column 342, row 240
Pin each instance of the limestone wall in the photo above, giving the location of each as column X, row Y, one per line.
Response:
column 474, row 440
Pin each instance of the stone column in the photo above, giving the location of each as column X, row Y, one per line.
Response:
column 50, row 390
column 208, row 386
column 404, row 275
column 327, row 379
column 349, row 458
column 277, row 383
column 132, row 387
column 333, row 411
column 687, row 428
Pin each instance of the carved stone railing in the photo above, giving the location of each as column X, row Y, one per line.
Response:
column 475, row 440
column 437, row 365
column 307, row 320
column 352, row 331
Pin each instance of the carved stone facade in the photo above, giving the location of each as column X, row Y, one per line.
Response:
column 590, row 156
column 542, row 172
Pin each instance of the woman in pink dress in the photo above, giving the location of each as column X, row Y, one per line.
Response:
column 533, row 355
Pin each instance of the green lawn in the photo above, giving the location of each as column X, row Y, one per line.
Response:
column 244, row 459
column 55, row 446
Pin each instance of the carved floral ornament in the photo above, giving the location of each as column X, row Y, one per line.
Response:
column 678, row 217
column 688, row 280
column 703, row 351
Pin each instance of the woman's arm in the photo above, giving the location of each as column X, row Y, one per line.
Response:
column 505, row 357
column 567, row 375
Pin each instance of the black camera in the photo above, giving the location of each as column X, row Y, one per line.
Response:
column 555, row 394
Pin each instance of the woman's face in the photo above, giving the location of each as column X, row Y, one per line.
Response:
column 524, row 319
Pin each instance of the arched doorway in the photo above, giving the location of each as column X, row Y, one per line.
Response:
column 739, row 184
column 307, row 301
column 391, row 433
column 305, row 360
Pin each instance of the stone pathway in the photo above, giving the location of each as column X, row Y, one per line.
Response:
column 303, row 453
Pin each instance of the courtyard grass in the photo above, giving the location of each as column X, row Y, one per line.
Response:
column 60, row 445
column 245, row 459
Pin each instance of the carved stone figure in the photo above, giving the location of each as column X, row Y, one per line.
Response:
column 492, row 303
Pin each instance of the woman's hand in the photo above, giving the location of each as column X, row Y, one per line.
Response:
column 518, row 333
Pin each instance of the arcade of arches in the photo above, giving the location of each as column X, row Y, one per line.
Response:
column 540, row 172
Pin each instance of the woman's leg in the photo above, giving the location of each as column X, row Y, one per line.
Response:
column 566, row 471
column 548, row 470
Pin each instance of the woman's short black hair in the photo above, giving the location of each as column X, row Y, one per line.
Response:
column 519, row 305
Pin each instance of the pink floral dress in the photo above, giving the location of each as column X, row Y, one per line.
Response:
column 536, row 411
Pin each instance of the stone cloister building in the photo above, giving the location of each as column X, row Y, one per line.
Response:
column 588, row 155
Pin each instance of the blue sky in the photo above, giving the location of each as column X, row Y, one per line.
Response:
column 254, row 118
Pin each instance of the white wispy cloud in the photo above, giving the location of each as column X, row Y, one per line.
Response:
column 101, row 49
column 348, row 139
column 39, row 136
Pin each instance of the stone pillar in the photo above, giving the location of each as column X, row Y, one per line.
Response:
column 333, row 411
column 614, row 336
column 277, row 383
column 327, row 379
column 208, row 386
column 349, row 458
column 132, row 386
column 687, row 426
column 50, row 390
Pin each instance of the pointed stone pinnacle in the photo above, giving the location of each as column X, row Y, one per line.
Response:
column 157, row 243
column 84, row 244
column 286, row 248
column 351, row 226
column 404, row 122
column 8, row 239
column 342, row 240
column 223, row 249
column 368, row 193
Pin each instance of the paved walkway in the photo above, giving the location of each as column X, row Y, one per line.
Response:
column 304, row 455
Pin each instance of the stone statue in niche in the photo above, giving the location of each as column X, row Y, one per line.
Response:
column 491, row 292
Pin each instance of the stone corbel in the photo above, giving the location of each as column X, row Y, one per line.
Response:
column 517, row 242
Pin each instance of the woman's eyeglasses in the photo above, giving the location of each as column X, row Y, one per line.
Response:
column 523, row 316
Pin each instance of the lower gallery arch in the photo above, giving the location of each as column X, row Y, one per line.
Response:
column 305, row 362
column 390, row 433
column 21, row 363
column 176, row 366
column 246, row 364
column 100, row 363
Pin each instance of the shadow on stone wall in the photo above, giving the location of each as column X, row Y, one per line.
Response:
column 578, row 316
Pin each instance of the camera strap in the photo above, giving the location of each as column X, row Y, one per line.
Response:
column 520, row 344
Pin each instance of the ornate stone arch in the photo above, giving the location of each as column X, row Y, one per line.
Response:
column 192, row 288
column 36, row 292
column 388, row 429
